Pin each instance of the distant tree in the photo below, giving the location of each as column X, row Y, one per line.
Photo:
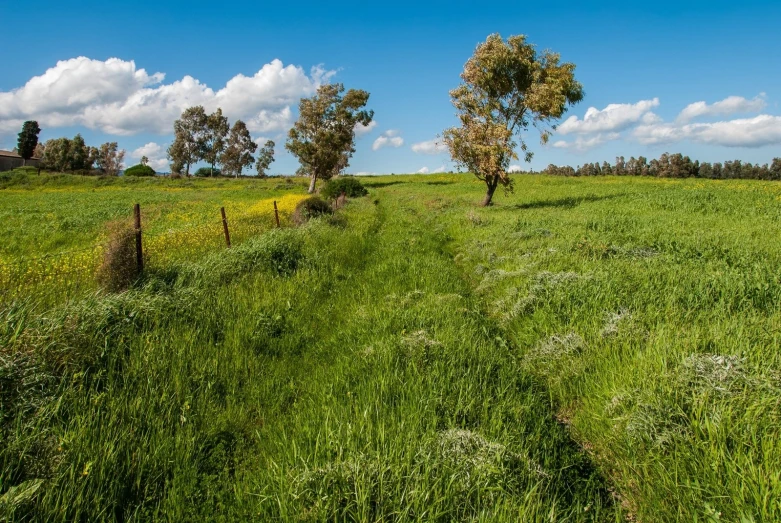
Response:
column 79, row 154
column 214, row 134
column 110, row 158
column 56, row 155
column 506, row 86
column 188, row 145
column 325, row 129
column 205, row 172
column 238, row 150
column 28, row 140
column 265, row 158
column 144, row 160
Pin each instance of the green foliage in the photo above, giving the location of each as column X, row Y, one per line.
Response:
column 204, row 172
column 139, row 170
column 351, row 187
column 311, row 207
column 28, row 139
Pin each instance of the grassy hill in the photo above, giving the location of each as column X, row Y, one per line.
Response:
column 585, row 350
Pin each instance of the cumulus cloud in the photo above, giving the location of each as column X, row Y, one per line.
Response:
column 363, row 130
column 118, row 98
column 389, row 138
column 746, row 132
column 156, row 154
column 613, row 118
column 429, row 147
column 422, row 170
column 728, row 106
column 515, row 169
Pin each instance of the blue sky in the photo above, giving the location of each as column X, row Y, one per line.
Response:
column 641, row 64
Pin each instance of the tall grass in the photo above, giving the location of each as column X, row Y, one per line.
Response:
column 586, row 350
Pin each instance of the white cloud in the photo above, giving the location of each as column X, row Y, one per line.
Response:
column 156, row 154
column 728, row 106
column 582, row 144
column 429, row 147
column 362, row 130
column 117, row 98
column 423, row 170
column 389, row 138
column 614, row 117
column 440, row 169
column 746, row 132
column 515, row 169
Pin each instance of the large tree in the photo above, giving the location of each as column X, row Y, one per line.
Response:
column 507, row 86
column 265, row 158
column 238, row 150
column 214, row 134
column 189, row 137
column 28, row 140
column 325, row 129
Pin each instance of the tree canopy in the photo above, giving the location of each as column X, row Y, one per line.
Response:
column 506, row 87
column 238, row 151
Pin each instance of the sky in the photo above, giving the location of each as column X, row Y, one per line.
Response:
column 700, row 78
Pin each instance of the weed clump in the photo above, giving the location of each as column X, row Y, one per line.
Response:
column 118, row 269
column 309, row 208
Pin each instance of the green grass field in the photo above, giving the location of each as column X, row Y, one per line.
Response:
column 596, row 349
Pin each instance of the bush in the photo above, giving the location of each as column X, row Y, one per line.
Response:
column 351, row 187
column 119, row 269
column 207, row 171
column 311, row 207
column 139, row 170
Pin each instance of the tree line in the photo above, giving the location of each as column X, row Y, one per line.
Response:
column 208, row 137
column 672, row 166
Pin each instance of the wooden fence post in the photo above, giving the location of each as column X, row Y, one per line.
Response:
column 225, row 227
column 139, row 251
column 276, row 213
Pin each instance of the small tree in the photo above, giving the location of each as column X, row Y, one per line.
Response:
column 110, row 158
column 144, row 160
column 265, row 158
column 325, row 129
column 238, row 151
column 214, row 134
column 506, row 86
column 188, row 145
column 28, row 140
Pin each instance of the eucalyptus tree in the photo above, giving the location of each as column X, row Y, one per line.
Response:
column 188, row 145
column 238, row 150
column 215, row 130
column 265, row 158
column 325, row 130
column 506, row 87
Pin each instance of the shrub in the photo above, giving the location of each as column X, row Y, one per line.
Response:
column 118, row 269
column 207, row 171
column 311, row 207
column 139, row 170
column 348, row 185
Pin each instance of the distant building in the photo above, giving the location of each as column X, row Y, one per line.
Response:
column 10, row 160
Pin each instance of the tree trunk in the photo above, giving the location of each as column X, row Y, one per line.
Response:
column 490, row 193
column 24, row 162
column 312, row 184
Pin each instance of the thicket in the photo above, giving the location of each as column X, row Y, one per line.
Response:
column 351, row 187
column 672, row 166
column 139, row 170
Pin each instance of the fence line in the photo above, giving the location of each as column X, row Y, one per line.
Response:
column 26, row 272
